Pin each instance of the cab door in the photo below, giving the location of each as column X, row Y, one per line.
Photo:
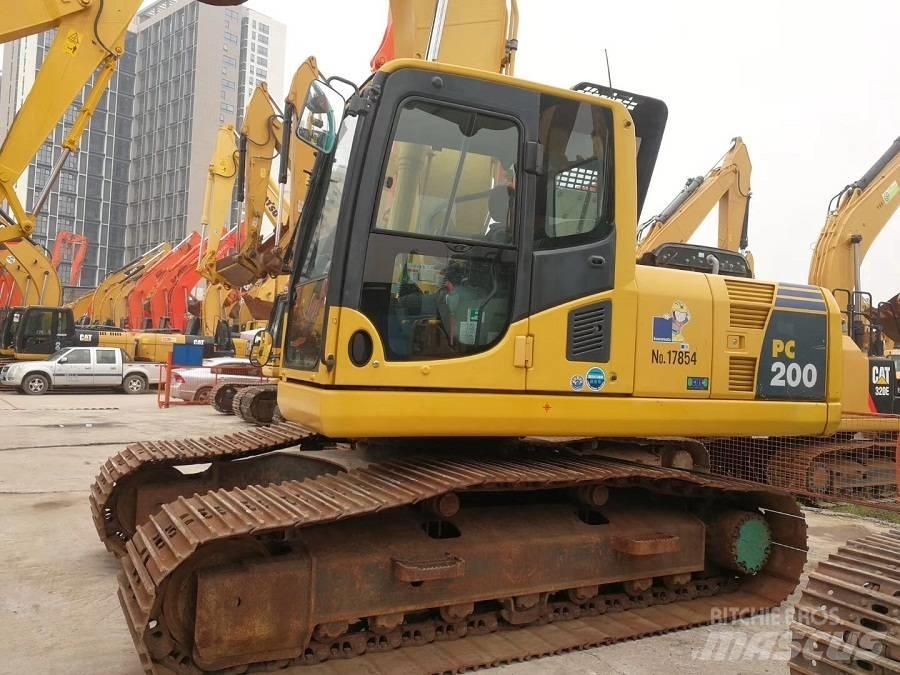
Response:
column 438, row 287
column 583, row 296
column 74, row 369
column 38, row 331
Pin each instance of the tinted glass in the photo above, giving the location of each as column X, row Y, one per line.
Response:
column 575, row 201
column 306, row 322
column 38, row 323
column 450, row 178
column 79, row 356
column 451, row 173
column 106, row 356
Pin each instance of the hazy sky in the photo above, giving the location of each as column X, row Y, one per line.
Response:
column 811, row 85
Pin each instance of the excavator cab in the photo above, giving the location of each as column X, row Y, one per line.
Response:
column 41, row 331
column 467, row 248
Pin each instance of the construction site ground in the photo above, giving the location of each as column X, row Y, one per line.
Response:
column 58, row 608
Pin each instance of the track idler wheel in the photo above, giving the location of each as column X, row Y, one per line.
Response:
column 740, row 541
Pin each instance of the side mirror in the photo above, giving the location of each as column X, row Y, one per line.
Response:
column 64, row 359
column 261, row 348
column 320, row 117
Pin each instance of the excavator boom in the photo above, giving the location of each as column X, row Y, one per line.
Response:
column 856, row 216
column 34, row 273
column 90, row 34
column 72, row 248
column 156, row 280
column 726, row 185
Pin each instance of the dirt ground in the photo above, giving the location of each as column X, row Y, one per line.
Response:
column 58, row 608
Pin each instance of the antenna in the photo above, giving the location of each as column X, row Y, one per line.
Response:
column 608, row 73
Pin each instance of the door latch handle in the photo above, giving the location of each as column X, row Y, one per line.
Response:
column 597, row 261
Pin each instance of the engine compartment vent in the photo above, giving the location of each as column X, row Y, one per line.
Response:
column 589, row 328
column 741, row 373
column 750, row 303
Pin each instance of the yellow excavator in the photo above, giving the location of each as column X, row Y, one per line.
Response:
column 495, row 412
column 726, row 185
column 856, row 216
column 90, row 36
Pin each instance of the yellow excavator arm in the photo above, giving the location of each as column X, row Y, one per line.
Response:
column 33, row 272
column 475, row 33
column 856, row 216
column 220, row 182
column 260, row 142
column 90, row 35
column 726, row 185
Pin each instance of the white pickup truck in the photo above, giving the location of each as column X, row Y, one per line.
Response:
column 81, row 367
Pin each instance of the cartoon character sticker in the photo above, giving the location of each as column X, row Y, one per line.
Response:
column 670, row 327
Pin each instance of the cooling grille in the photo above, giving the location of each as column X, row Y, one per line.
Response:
column 741, row 373
column 589, row 333
column 750, row 303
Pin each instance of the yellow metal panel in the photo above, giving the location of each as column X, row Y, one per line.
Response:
column 358, row 413
column 673, row 334
column 494, row 369
column 738, row 342
column 550, row 371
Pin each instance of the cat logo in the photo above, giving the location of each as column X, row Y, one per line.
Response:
column 881, row 375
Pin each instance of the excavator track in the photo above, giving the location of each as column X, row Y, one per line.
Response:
column 121, row 474
column 221, row 397
column 848, row 616
column 842, row 467
column 330, row 568
column 256, row 404
column 848, row 465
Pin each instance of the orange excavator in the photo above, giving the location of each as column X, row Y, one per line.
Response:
column 156, row 280
column 171, row 303
column 70, row 248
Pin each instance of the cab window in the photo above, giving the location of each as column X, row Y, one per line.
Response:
column 38, row 324
column 451, row 173
column 64, row 327
column 79, row 356
column 440, row 268
column 575, row 204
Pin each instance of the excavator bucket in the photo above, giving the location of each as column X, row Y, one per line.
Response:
column 887, row 316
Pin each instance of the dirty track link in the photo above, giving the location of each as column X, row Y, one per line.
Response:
column 221, row 397
column 848, row 617
column 422, row 551
column 256, row 404
column 117, row 499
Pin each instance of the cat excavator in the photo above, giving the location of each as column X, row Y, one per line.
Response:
column 861, row 458
column 494, row 412
column 726, row 185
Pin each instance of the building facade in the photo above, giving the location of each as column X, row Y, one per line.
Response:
column 197, row 66
column 91, row 195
